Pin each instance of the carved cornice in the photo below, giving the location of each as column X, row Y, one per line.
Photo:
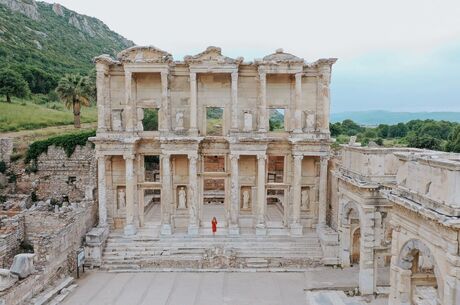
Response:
column 144, row 54
column 105, row 59
column 212, row 55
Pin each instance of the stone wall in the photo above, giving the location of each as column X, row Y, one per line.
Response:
column 56, row 237
column 74, row 177
column 6, row 149
column 11, row 236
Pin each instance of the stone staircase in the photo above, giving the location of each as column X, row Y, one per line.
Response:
column 182, row 252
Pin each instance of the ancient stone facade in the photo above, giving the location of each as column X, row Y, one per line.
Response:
column 425, row 263
column 212, row 107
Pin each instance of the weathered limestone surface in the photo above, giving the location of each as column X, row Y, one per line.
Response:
column 23, row 265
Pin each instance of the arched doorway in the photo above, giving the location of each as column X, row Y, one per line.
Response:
column 356, row 246
column 422, row 280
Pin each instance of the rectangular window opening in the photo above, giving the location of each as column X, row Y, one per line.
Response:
column 214, row 164
column 276, row 120
column 150, row 120
column 275, row 169
column 214, row 121
column 152, row 168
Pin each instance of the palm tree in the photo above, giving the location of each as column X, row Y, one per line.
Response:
column 75, row 90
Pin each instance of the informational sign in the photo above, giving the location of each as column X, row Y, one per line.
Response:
column 80, row 257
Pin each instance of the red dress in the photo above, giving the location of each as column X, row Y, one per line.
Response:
column 214, row 226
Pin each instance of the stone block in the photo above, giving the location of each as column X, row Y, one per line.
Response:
column 95, row 241
column 7, row 279
column 23, row 265
column 296, row 229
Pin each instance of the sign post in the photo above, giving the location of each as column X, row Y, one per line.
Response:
column 80, row 261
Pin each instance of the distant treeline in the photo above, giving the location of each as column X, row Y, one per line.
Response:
column 428, row 134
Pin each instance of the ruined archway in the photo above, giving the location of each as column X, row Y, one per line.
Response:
column 350, row 234
column 420, row 274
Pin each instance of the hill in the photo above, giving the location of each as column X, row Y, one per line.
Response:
column 375, row 117
column 52, row 39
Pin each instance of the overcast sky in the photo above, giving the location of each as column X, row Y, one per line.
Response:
column 399, row 55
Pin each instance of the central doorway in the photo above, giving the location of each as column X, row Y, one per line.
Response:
column 214, row 191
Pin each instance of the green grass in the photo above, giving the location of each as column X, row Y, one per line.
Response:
column 25, row 115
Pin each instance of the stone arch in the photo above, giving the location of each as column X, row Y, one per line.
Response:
column 351, row 220
column 409, row 255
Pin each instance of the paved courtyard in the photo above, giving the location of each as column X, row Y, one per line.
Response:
column 189, row 288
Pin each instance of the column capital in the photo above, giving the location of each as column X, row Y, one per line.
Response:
column 128, row 73
column 100, row 156
column 261, row 157
column 324, row 159
column 192, row 156
column 298, row 157
column 298, row 76
column 129, row 156
column 234, row 75
column 234, row 157
column 262, row 76
column 192, row 76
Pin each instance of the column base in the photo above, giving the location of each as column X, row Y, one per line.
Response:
column 130, row 230
column 296, row 229
column 166, row 229
column 233, row 230
column 193, row 132
column 193, row 230
column 261, row 229
column 297, row 130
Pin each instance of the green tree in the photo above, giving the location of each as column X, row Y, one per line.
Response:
column 453, row 142
column 12, row 84
column 397, row 131
column 335, row 129
column 75, row 90
column 39, row 81
column 382, row 130
column 350, row 128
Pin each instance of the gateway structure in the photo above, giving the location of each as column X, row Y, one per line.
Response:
column 179, row 142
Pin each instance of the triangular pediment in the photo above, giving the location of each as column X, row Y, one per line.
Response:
column 144, row 54
column 212, row 55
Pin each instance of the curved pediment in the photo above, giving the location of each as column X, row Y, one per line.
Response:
column 212, row 55
column 281, row 57
column 144, row 54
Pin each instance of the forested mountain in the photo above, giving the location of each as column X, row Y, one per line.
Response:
column 376, row 117
column 43, row 41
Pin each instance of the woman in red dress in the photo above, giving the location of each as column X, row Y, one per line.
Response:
column 214, row 225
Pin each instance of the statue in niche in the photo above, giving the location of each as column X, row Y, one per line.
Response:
column 247, row 121
column 121, row 198
column 182, row 198
column 179, row 120
column 305, row 200
column 246, row 199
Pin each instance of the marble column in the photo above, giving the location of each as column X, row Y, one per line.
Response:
column 101, row 189
column 322, row 191
column 261, row 194
column 166, row 195
column 129, row 108
column 263, row 119
column 234, row 101
column 296, row 227
column 324, row 93
column 234, row 196
column 101, row 88
column 165, row 112
column 130, row 228
column 298, row 103
column 193, row 103
column 193, row 195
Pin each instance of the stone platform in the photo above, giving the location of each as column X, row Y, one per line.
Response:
column 181, row 251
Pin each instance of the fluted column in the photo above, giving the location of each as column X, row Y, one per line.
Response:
column 298, row 103
column 129, row 111
column 193, row 103
column 261, row 194
column 193, row 195
column 235, row 195
column 234, row 101
column 166, row 195
column 130, row 228
column 101, row 189
column 165, row 112
column 263, row 119
column 322, row 191
column 101, row 88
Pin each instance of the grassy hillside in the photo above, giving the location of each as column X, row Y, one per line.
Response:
column 24, row 115
column 57, row 40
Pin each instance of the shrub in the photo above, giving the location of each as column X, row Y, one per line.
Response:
column 68, row 142
column 15, row 157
